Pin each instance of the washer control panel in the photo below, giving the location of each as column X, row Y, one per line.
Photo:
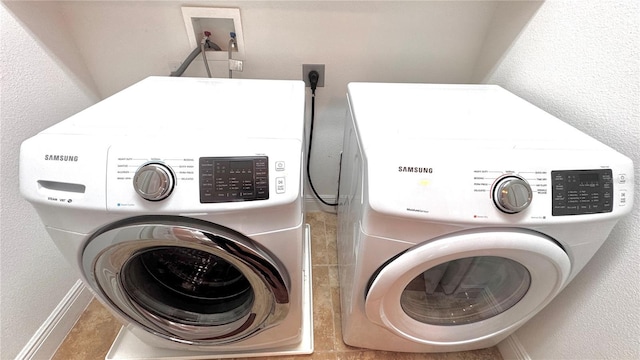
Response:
column 225, row 179
column 577, row 192
column 200, row 178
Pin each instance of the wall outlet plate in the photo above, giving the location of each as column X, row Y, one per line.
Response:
column 306, row 68
column 219, row 22
column 235, row 65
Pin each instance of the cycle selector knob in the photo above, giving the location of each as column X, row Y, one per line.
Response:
column 512, row 194
column 154, row 181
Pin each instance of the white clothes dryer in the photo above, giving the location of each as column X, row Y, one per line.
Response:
column 464, row 210
column 179, row 201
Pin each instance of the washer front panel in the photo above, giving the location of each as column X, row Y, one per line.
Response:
column 497, row 278
column 187, row 281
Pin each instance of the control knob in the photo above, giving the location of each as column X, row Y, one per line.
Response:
column 512, row 194
column 154, row 181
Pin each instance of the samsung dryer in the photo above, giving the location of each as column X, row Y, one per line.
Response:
column 179, row 202
column 464, row 210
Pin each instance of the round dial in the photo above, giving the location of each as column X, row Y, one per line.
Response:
column 154, row 181
column 512, row 194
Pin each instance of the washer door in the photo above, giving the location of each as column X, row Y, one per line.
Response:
column 187, row 280
column 467, row 286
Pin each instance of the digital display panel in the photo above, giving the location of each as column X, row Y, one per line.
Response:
column 589, row 179
column 228, row 179
column 578, row 192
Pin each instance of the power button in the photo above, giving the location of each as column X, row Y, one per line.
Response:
column 622, row 179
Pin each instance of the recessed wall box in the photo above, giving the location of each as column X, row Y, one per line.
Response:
column 220, row 22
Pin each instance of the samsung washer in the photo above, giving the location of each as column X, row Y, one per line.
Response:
column 464, row 210
column 179, row 201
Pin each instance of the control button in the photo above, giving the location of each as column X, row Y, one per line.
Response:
column 512, row 194
column 280, row 185
column 279, row 165
column 622, row 179
column 154, row 181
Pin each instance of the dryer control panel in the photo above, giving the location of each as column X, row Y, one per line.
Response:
column 577, row 192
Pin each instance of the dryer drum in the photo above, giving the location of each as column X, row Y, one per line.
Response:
column 465, row 290
column 188, row 286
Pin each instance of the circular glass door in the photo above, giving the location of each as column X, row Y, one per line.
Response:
column 462, row 288
column 465, row 290
column 187, row 286
column 187, row 280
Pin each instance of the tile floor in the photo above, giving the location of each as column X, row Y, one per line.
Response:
column 94, row 332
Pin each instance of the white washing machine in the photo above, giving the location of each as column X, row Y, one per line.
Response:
column 464, row 210
column 179, row 201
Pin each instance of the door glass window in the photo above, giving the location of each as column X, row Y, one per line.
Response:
column 188, row 286
column 465, row 290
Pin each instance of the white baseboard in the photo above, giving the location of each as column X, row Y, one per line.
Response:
column 512, row 349
column 311, row 204
column 44, row 343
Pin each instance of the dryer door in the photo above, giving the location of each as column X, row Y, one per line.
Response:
column 464, row 287
column 187, row 280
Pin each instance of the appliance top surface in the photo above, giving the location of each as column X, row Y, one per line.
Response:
column 228, row 108
column 456, row 116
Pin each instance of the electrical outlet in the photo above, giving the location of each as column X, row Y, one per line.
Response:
column 220, row 22
column 306, row 68
column 235, row 65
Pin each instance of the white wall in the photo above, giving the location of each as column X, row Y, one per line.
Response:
column 37, row 91
column 580, row 60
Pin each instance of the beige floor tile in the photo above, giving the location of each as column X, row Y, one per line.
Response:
column 319, row 254
column 91, row 336
column 323, row 319
column 333, row 276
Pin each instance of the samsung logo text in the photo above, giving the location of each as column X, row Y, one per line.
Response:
column 61, row 158
column 415, row 169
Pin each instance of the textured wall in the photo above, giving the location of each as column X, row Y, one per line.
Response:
column 580, row 60
column 36, row 92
